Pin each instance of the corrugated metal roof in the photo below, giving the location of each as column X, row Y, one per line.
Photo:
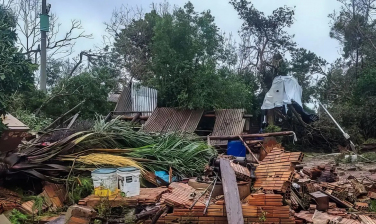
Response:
column 165, row 119
column 227, row 122
column 125, row 100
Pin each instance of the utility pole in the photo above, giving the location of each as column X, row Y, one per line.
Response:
column 44, row 28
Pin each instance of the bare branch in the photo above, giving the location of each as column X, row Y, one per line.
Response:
column 83, row 53
column 28, row 22
column 69, row 37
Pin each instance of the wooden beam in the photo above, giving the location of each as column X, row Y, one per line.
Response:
column 236, row 137
column 232, row 199
column 249, row 150
column 73, row 120
column 123, row 117
column 128, row 112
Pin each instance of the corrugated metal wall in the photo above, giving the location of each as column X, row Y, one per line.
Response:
column 144, row 99
column 137, row 98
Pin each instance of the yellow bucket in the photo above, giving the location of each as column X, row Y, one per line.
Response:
column 103, row 192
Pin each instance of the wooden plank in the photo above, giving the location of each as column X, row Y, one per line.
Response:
column 233, row 205
column 249, row 150
column 366, row 219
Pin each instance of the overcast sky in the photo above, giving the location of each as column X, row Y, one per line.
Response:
column 311, row 27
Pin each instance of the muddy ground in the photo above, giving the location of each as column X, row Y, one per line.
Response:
column 344, row 167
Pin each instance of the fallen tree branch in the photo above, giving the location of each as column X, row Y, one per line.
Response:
column 160, row 212
column 65, row 114
column 149, row 213
column 54, row 96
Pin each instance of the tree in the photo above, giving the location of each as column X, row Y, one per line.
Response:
column 347, row 87
column 58, row 45
column 307, row 68
column 264, row 41
column 16, row 72
column 91, row 88
column 133, row 44
column 185, row 51
column 352, row 27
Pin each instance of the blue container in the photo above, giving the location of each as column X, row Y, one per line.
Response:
column 236, row 148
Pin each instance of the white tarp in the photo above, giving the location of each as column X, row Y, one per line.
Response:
column 283, row 90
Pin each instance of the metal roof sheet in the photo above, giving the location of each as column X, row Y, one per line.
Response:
column 165, row 119
column 227, row 122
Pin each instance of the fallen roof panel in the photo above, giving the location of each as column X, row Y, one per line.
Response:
column 164, row 120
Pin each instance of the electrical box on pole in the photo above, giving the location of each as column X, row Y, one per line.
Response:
column 44, row 22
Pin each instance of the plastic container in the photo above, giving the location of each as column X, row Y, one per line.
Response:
column 129, row 180
column 236, row 148
column 104, row 181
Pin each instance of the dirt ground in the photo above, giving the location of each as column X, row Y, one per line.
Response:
column 344, row 168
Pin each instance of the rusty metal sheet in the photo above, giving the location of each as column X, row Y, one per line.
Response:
column 164, row 120
column 227, row 122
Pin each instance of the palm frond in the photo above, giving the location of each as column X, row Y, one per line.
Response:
column 102, row 160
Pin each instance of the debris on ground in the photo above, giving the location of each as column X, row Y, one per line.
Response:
column 171, row 178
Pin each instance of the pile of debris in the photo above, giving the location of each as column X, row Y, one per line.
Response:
column 320, row 195
column 280, row 189
column 213, row 200
column 273, row 185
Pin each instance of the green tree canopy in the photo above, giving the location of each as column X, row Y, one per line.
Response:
column 16, row 73
column 182, row 54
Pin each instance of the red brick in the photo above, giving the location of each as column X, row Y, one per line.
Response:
column 75, row 220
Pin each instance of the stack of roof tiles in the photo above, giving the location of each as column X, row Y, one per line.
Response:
column 275, row 172
column 265, row 199
column 217, row 214
column 241, row 172
column 181, row 197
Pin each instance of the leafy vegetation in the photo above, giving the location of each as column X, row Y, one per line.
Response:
column 182, row 53
column 188, row 157
column 272, row 128
column 35, row 123
column 16, row 72
column 79, row 188
column 112, row 144
column 16, row 217
column 372, row 206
